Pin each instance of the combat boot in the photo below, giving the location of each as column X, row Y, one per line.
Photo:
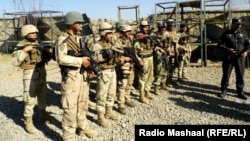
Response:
column 157, row 91
column 121, row 109
column 29, row 126
column 88, row 132
column 130, row 103
column 44, row 117
column 103, row 121
column 143, row 99
column 149, row 95
column 110, row 114
column 168, row 83
column 164, row 86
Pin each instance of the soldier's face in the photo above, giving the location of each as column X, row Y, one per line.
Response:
column 78, row 26
column 145, row 29
column 109, row 36
column 236, row 27
column 32, row 35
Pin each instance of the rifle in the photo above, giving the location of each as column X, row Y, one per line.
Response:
column 130, row 52
column 93, row 65
column 46, row 54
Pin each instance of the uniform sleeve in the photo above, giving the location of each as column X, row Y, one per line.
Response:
column 221, row 42
column 18, row 57
column 61, row 54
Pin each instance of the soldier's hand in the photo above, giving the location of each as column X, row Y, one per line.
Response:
column 127, row 59
column 244, row 54
column 231, row 50
column 141, row 62
column 91, row 74
column 160, row 49
column 28, row 48
column 85, row 61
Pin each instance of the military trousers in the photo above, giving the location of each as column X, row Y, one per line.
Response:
column 106, row 92
column 146, row 80
column 75, row 97
column 34, row 90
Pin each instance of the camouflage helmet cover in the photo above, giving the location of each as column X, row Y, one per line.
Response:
column 27, row 29
column 119, row 24
column 105, row 28
column 170, row 22
column 73, row 17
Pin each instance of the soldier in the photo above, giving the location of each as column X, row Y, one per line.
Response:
column 234, row 44
column 31, row 56
column 117, row 32
column 184, row 50
column 106, row 89
column 125, row 70
column 171, row 39
column 74, row 85
column 144, row 48
column 159, row 64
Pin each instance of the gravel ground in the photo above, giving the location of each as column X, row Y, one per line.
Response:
column 193, row 102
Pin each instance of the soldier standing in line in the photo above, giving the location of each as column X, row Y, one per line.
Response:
column 184, row 49
column 75, row 85
column 117, row 32
column 235, row 44
column 125, row 70
column 106, row 89
column 159, row 65
column 31, row 56
column 144, row 48
column 171, row 39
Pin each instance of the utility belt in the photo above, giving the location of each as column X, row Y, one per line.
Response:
column 145, row 55
column 66, row 69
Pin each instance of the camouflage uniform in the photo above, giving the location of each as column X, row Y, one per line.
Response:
column 34, row 77
column 159, row 62
column 125, row 71
column 144, row 48
column 170, row 43
column 74, row 85
column 106, row 91
column 184, row 49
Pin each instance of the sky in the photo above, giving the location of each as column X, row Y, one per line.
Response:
column 95, row 9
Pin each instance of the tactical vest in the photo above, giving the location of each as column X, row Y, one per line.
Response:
column 34, row 59
column 147, row 46
column 109, row 63
column 183, row 38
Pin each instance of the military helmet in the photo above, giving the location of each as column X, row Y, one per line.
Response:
column 161, row 24
column 119, row 24
column 27, row 29
column 183, row 25
column 170, row 22
column 144, row 23
column 73, row 17
column 105, row 28
column 126, row 28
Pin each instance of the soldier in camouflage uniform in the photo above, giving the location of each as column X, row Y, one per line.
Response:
column 144, row 48
column 159, row 64
column 184, row 49
column 74, row 85
column 106, row 89
column 117, row 32
column 31, row 56
column 171, row 43
column 125, row 70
